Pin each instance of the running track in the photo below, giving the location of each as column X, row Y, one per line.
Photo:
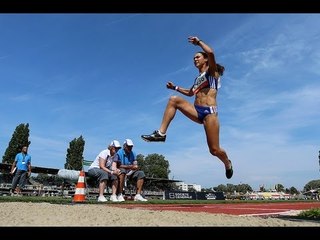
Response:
column 241, row 209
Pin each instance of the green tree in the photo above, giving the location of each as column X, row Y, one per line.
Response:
column 279, row 187
column 140, row 160
column 231, row 188
column 314, row 184
column 154, row 165
column 262, row 188
column 74, row 157
column 206, row 189
column 221, row 188
column 243, row 188
column 292, row 190
column 19, row 138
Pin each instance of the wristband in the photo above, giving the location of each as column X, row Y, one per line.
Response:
column 176, row 88
column 199, row 41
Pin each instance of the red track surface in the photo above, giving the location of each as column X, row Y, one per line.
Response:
column 228, row 208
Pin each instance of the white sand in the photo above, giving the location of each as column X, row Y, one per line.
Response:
column 46, row 214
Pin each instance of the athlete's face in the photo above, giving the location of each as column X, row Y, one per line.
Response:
column 199, row 60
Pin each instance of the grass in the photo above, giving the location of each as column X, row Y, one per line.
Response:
column 310, row 214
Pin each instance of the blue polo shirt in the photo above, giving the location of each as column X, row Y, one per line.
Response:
column 23, row 160
column 126, row 159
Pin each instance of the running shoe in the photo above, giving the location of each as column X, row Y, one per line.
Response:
column 154, row 137
column 229, row 172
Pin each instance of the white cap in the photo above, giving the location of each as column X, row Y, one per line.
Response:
column 115, row 143
column 128, row 142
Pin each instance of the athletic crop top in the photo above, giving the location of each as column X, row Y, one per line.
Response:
column 205, row 80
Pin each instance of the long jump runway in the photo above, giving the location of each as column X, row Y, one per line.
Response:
column 240, row 209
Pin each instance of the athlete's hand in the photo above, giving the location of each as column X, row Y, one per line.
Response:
column 170, row 85
column 194, row 40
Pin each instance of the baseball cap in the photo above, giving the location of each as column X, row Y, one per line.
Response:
column 115, row 143
column 128, row 142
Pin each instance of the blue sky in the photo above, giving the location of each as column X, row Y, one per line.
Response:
column 103, row 76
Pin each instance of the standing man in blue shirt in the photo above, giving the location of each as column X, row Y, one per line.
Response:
column 21, row 168
column 129, row 168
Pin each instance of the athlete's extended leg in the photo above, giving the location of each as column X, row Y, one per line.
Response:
column 175, row 103
column 212, row 128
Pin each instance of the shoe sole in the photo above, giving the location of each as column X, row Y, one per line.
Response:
column 147, row 140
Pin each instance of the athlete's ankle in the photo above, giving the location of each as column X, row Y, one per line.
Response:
column 228, row 165
column 161, row 134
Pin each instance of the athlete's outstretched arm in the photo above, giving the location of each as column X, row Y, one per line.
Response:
column 184, row 91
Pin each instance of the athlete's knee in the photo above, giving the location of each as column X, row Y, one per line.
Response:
column 214, row 151
column 174, row 101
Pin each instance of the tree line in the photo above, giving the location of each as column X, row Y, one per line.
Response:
column 154, row 165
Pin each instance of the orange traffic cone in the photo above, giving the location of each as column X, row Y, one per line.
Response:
column 80, row 195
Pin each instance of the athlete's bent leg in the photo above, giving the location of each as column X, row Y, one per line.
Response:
column 211, row 126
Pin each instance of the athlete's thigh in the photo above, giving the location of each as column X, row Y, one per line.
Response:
column 188, row 110
column 211, row 126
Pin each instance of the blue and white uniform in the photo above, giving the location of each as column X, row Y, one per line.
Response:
column 205, row 80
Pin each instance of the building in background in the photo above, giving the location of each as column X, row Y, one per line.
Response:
column 188, row 187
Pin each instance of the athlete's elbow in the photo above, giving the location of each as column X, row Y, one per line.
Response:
column 210, row 52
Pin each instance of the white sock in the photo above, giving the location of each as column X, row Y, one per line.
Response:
column 161, row 134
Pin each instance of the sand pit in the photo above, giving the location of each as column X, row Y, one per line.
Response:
column 105, row 215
